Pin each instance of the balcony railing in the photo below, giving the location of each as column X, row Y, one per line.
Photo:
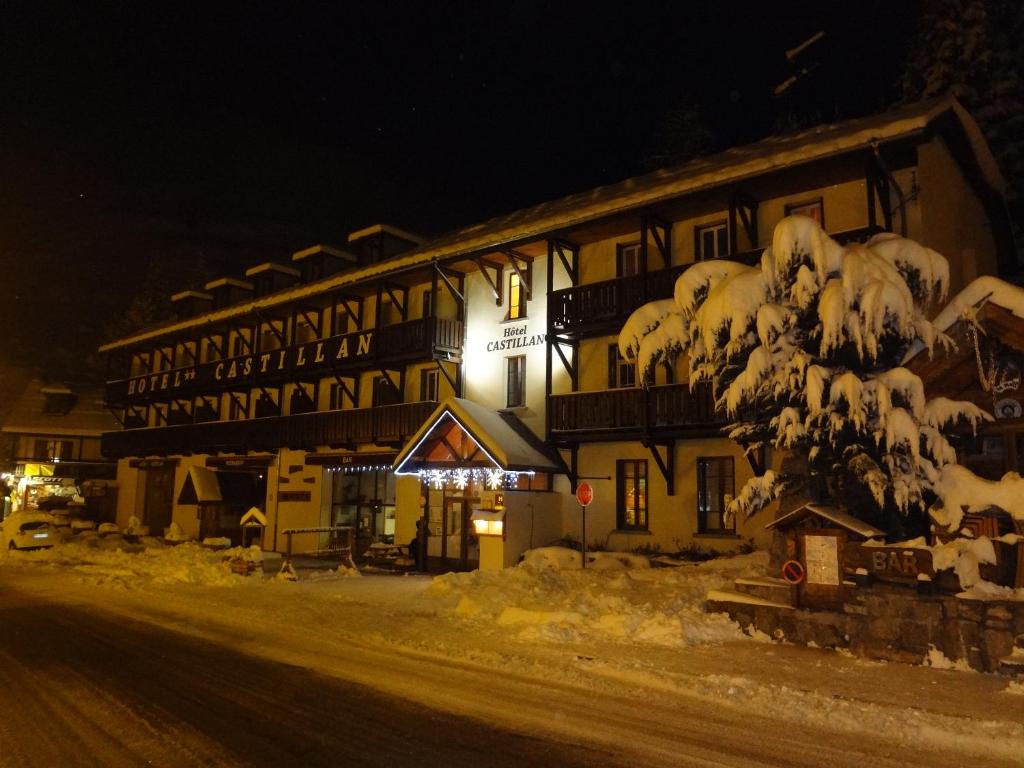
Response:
column 668, row 410
column 600, row 308
column 597, row 307
column 382, row 425
column 347, row 353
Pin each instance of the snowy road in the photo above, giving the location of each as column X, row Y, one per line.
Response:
column 79, row 688
column 107, row 659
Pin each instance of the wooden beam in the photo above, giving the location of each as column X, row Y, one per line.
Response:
column 570, row 368
column 456, row 293
column 444, row 371
column 496, row 282
column 571, row 265
column 401, row 303
column 666, row 465
column 525, row 273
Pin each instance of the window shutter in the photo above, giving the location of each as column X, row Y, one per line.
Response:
column 613, row 367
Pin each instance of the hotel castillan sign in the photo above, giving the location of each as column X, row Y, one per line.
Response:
column 337, row 353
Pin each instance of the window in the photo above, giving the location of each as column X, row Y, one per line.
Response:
column 384, row 392
column 627, row 259
column 428, row 384
column 429, row 303
column 715, row 489
column 631, row 494
column 621, row 372
column 48, row 450
column 516, row 298
column 812, row 209
column 711, row 241
column 516, row 381
column 57, row 403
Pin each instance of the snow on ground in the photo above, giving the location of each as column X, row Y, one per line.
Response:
column 527, row 642
column 537, row 601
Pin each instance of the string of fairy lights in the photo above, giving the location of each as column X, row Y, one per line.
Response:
column 494, row 479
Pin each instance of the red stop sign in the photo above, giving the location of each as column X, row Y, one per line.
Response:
column 584, row 494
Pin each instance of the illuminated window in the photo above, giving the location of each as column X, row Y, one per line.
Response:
column 711, row 241
column 631, row 488
column 812, row 209
column 516, row 298
column 716, row 487
column 627, row 259
column 516, row 381
column 621, row 372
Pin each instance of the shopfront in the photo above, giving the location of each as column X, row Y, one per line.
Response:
column 358, row 492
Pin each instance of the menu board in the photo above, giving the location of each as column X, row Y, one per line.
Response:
column 822, row 558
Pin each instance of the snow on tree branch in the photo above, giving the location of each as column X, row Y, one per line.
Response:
column 802, row 352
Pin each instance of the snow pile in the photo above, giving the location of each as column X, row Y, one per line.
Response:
column 938, row 660
column 563, row 558
column 802, row 349
column 960, row 488
column 550, row 598
column 112, row 562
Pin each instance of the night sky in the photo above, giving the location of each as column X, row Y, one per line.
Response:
column 136, row 131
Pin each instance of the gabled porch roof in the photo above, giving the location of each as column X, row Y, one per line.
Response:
column 464, row 434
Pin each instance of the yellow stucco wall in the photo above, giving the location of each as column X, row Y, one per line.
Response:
column 672, row 520
column 953, row 221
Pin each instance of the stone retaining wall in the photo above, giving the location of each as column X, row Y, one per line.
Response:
column 896, row 624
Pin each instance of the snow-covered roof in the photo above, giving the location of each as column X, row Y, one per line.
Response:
column 305, row 253
column 201, row 486
column 387, row 229
column 217, row 283
column 86, row 417
column 270, row 266
column 833, row 515
column 511, row 446
column 978, row 293
column 181, row 295
column 733, row 165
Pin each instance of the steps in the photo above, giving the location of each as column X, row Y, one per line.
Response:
column 776, row 591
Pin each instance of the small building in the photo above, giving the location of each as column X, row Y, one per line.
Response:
column 53, row 433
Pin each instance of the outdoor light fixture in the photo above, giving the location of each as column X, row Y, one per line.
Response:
column 488, row 522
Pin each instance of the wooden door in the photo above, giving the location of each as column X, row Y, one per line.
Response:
column 458, row 538
column 159, row 499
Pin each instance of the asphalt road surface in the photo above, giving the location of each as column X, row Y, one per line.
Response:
column 82, row 688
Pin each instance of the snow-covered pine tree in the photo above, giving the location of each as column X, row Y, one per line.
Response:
column 803, row 351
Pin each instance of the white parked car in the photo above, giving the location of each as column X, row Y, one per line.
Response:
column 30, row 534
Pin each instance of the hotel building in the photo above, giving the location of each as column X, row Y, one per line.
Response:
column 470, row 381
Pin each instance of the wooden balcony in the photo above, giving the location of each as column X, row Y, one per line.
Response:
column 389, row 424
column 661, row 412
column 346, row 354
column 599, row 309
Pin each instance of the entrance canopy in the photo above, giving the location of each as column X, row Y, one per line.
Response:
column 201, row 487
column 463, row 435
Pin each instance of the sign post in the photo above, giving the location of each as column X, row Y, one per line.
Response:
column 584, row 495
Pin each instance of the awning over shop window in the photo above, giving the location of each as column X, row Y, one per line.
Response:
column 464, row 434
column 201, row 487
